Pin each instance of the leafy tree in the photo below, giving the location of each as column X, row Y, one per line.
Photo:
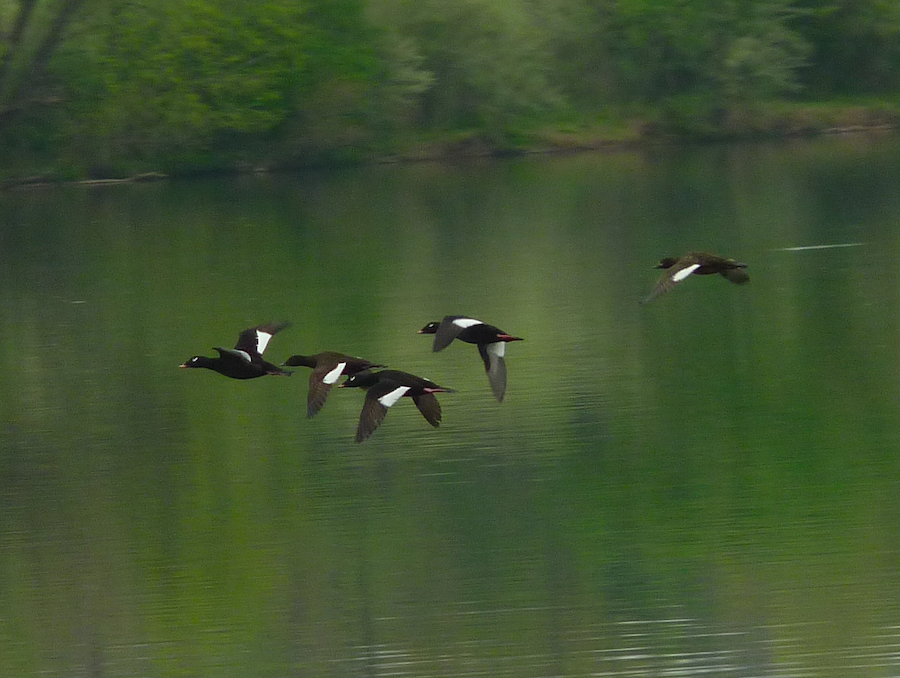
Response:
column 184, row 79
column 856, row 45
column 765, row 54
column 170, row 75
column 27, row 45
column 334, row 98
column 145, row 83
column 403, row 80
column 730, row 50
column 697, row 60
column 486, row 63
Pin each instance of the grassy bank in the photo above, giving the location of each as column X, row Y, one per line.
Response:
column 675, row 123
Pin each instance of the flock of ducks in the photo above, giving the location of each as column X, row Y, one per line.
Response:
column 384, row 387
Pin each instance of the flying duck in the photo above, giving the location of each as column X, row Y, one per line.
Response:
column 387, row 387
column 327, row 367
column 245, row 360
column 696, row 263
column 491, row 342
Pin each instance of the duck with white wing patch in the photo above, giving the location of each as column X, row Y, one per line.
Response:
column 696, row 263
column 385, row 388
column 491, row 342
column 328, row 367
column 245, row 360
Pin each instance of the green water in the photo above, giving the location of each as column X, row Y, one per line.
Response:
column 706, row 485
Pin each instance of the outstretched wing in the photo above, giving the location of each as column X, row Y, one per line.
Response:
column 495, row 365
column 672, row 277
column 378, row 399
column 323, row 377
column 450, row 328
column 429, row 407
column 255, row 340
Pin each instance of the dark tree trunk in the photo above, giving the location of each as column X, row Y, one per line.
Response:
column 13, row 83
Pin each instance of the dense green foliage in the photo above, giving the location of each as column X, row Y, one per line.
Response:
column 113, row 86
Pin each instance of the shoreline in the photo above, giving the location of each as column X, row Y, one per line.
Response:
column 476, row 146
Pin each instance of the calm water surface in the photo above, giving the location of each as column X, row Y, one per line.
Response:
column 706, row 485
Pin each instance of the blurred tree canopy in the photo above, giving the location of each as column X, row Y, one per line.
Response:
column 105, row 86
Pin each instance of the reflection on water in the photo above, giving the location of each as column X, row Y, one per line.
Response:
column 702, row 486
column 659, row 647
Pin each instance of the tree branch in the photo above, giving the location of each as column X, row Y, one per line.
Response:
column 14, row 40
column 12, row 82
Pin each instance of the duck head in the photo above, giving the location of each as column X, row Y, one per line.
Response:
column 197, row 361
column 430, row 328
column 300, row 361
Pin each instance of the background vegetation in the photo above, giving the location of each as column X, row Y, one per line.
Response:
column 111, row 87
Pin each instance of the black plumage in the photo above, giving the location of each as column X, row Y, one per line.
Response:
column 327, row 368
column 696, row 263
column 245, row 360
column 385, row 388
column 491, row 342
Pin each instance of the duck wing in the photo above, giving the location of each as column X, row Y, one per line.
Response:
column 495, row 365
column 323, row 377
column 379, row 398
column 234, row 354
column 674, row 275
column 429, row 407
column 450, row 328
column 255, row 340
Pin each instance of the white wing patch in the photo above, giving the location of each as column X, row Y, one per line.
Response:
column 685, row 272
column 391, row 397
column 243, row 355
column 262, row 340
column 335, row 374
column 466, row 322
column 498, row 349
